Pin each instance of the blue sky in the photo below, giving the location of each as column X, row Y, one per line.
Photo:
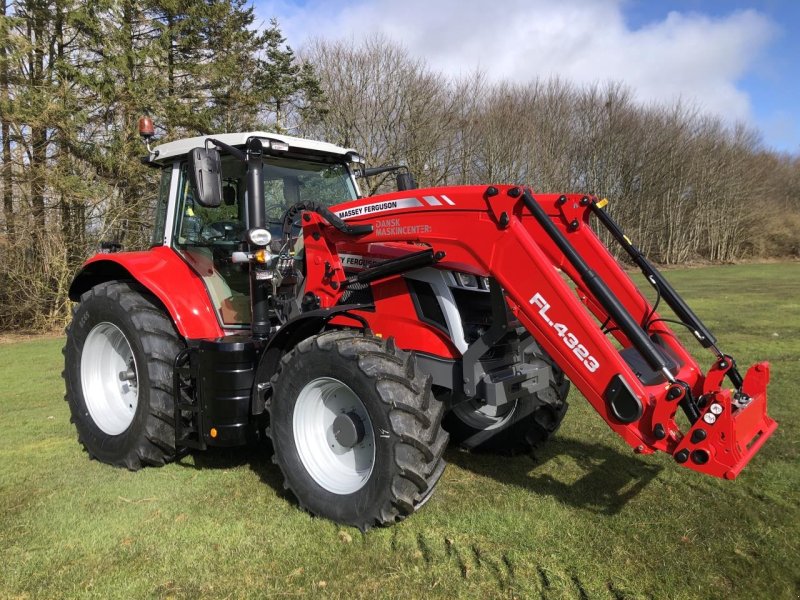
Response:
column 773, row 83
column 734, row 58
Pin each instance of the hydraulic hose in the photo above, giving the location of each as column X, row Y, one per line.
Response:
column 670, row 295
column 601, row 291
column 665, row 289
column 324, row 212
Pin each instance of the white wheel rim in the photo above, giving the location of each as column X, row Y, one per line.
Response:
column 109, row 378
column 484, row 416
column 337, row 468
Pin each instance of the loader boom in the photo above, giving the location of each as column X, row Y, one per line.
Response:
column 601, row 330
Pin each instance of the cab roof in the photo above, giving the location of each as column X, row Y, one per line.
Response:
column 169, row 150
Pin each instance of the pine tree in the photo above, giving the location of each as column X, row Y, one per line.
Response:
column 75, row 76
column 233, row 101
column 293, row 92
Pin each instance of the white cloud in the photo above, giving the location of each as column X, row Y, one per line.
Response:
column 691, row 55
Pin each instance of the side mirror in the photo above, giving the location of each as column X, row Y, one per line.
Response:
column 405, row 181
column 204, row 173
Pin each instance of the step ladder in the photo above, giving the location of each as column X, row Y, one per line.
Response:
column 188, row 413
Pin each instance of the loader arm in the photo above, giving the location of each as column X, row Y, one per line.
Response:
column 604, row 333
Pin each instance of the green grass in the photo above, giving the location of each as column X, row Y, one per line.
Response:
column 584, row 518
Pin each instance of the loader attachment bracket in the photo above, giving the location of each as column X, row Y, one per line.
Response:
column 473, row 354
column 730, row 430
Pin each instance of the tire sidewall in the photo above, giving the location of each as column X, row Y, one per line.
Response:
column 93, row 310
column 303, row 368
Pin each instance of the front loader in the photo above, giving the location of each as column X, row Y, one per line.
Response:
column 359, row 335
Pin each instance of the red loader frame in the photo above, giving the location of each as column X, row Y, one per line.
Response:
column 636, row 379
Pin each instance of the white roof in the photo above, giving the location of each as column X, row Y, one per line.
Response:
column 181, row 147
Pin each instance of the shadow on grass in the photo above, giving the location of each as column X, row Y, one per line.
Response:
column 593, row 477
column 258, row 456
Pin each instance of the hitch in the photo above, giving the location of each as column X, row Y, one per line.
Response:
column 733, row 424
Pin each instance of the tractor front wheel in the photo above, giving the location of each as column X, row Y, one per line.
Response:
column 356, row 430
column 118, row 363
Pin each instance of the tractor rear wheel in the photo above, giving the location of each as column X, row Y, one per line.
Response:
column 517, row 426
column 356, row 430
column 118, row 364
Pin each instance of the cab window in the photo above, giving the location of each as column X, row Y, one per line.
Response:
column 162, row 202
column 206, row 237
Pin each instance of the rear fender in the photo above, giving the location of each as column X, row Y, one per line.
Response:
column 166, row 276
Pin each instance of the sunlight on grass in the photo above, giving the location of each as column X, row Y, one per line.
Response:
column 582, row 518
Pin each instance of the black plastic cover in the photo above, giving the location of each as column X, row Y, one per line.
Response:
column 225, row 375
column 624, row 405
column 646, row 374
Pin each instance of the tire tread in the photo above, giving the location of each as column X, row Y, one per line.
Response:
column 160, row 342
column 414, row 417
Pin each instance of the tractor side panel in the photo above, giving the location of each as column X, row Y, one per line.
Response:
column 396, row 316
column 166, row 276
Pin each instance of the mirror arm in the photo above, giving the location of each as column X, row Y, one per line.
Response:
column 235, row 152
column 372, row 171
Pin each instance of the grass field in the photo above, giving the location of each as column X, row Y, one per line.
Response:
column 583, row 518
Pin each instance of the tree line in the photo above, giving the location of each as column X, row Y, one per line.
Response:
column 686, row 185
column 76, row 75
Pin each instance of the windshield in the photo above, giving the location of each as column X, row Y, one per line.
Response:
column 206, row 237
column 288, row 181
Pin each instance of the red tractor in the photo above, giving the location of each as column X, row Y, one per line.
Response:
column 358, row 333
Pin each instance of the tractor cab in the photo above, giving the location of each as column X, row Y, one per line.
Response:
column 207, row 236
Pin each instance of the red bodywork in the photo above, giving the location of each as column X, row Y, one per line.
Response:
column 167, row 276
column 497, row 237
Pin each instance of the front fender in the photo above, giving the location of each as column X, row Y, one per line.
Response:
column 299, row 328
column 292, row 333
column 166, row 276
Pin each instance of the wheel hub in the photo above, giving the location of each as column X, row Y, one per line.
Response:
column 348, row 429
column 334, row 436
column 109, row 378
column 129, row 374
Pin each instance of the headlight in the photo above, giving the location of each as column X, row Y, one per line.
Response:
column 467, row 280
column 259, row 237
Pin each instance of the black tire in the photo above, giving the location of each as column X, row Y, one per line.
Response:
column 518, row 426
column 405, row 417
column 149, row 438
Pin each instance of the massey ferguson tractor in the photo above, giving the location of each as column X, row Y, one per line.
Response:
column 360, row 334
